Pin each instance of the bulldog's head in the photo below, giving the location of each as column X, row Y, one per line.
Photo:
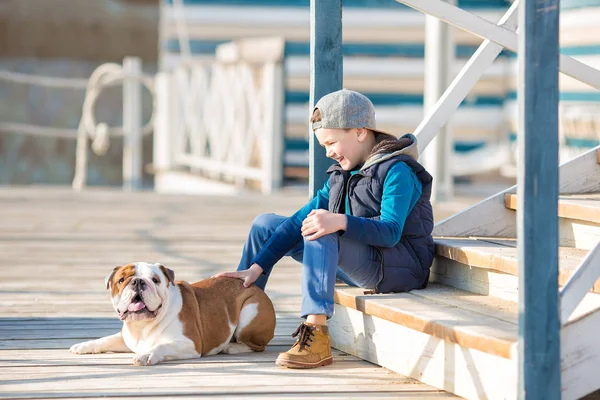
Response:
column 139, row 290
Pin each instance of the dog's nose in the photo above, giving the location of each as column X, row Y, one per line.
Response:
column 138, row 283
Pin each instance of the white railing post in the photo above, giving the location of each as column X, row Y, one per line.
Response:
column 272, row 149
column 163, row 138
column 439, row 57
column 132, row 123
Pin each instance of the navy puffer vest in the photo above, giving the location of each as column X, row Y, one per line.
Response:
column 405, row 266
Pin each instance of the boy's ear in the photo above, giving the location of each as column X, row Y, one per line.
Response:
column 361, row 133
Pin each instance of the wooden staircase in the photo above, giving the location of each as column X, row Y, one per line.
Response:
column 460, row 334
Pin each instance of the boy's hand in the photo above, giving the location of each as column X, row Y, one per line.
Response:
column 322, row 222
column 248, row 276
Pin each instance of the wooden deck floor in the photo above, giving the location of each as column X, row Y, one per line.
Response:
column 57, row 246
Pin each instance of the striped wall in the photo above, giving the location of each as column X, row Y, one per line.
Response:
column 383, row 58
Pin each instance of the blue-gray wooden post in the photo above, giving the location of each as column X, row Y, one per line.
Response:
column 325, row 75
column 537, row 221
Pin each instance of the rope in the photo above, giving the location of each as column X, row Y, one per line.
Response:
column 66, row 83
column 105, row 75
column 38, row 130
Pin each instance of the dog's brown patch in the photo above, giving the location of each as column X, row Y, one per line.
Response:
column 125, row 272
column 211, row 305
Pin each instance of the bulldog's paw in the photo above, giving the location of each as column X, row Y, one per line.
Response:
column 147, row 359
column 85, row 348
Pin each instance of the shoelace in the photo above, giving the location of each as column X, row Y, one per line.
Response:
column 306, row 333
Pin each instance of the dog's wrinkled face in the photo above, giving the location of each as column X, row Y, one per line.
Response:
column 139, row 290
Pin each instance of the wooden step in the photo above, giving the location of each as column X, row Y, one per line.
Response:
column 449, row 338
column 485, row 264
column 455, row 340
column 579, row 222
column 583, row 207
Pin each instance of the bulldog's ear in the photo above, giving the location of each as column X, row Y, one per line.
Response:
column 169, row 273
column 108, row 278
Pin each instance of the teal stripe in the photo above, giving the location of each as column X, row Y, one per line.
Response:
column 568, row 96
column 383, row 99
column 377, row 4
column 350, row 49
column 573, row 4
column 570, row 141
column 581, row 142
column 582, row 50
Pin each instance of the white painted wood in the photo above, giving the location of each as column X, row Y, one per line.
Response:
column 162, row 144
column 580, row 357
column 298, row 66
column 487, row 118
column 460, row 87
column 466, row 372
column 580, row 175
column 292, row 16
column 132, row 123
column 491, row 218
column 476, row 280
column 579, row 234
column 505, row 37
column 273, row 132
column 231, row 113
column 179, row 13
column 439, row 56
column 580, row 283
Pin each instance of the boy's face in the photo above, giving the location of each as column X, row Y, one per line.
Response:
column 346, row 146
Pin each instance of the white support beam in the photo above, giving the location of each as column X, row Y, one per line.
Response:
column 439, row 56
column 462, row 84
column 580, row 283
column 132, row 124
column 501, row 35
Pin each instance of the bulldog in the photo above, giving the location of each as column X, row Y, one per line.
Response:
column 164, row 319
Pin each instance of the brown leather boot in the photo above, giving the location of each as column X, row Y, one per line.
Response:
column 311, row 350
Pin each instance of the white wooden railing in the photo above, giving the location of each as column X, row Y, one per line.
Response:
column 498, row 36
column 224, row 120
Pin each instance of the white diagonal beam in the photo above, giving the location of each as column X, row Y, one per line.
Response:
column 580, row 283
column 503, row 36
column 462, row 84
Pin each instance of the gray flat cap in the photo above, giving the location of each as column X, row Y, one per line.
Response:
column 346, row 109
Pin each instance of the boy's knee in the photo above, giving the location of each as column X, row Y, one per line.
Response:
column 266, row 222
column 329, row 239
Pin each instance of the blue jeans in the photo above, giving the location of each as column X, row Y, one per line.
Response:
column 323, row 259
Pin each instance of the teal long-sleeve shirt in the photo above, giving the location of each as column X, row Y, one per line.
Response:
column 401, row 190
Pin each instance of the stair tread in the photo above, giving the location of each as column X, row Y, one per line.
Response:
column 468, row 319
column 502, row 255
column 585, row 207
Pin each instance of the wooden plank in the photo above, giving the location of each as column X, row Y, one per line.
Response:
column 581, row 207
column 364, row 395
column 437, row 318
column 587, row 275
column 33, row 358
column 580, row 357
column 537, row 221
column 200, row 377
column 469, row 373
column 326, row 76
column 502, row 256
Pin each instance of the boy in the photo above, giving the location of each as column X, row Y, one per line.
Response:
column 370, row 225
